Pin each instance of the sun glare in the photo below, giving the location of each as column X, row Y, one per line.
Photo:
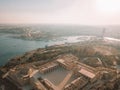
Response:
column 108, row 6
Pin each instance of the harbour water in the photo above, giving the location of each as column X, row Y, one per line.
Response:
column 11, row 47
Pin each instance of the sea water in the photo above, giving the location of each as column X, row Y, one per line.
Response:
column 11, row 47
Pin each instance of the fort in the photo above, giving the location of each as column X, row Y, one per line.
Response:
column 73, row 75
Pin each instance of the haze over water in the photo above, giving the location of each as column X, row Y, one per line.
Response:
column 64, row 21
column 11, row 46
column 15, row 39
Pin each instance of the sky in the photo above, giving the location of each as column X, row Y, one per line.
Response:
column 81, row 12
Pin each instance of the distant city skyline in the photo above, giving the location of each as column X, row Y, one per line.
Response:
column 80, row 12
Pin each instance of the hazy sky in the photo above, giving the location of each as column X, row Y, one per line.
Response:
column 85, row 12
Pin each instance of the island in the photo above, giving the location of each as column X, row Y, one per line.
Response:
column 89, row 65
